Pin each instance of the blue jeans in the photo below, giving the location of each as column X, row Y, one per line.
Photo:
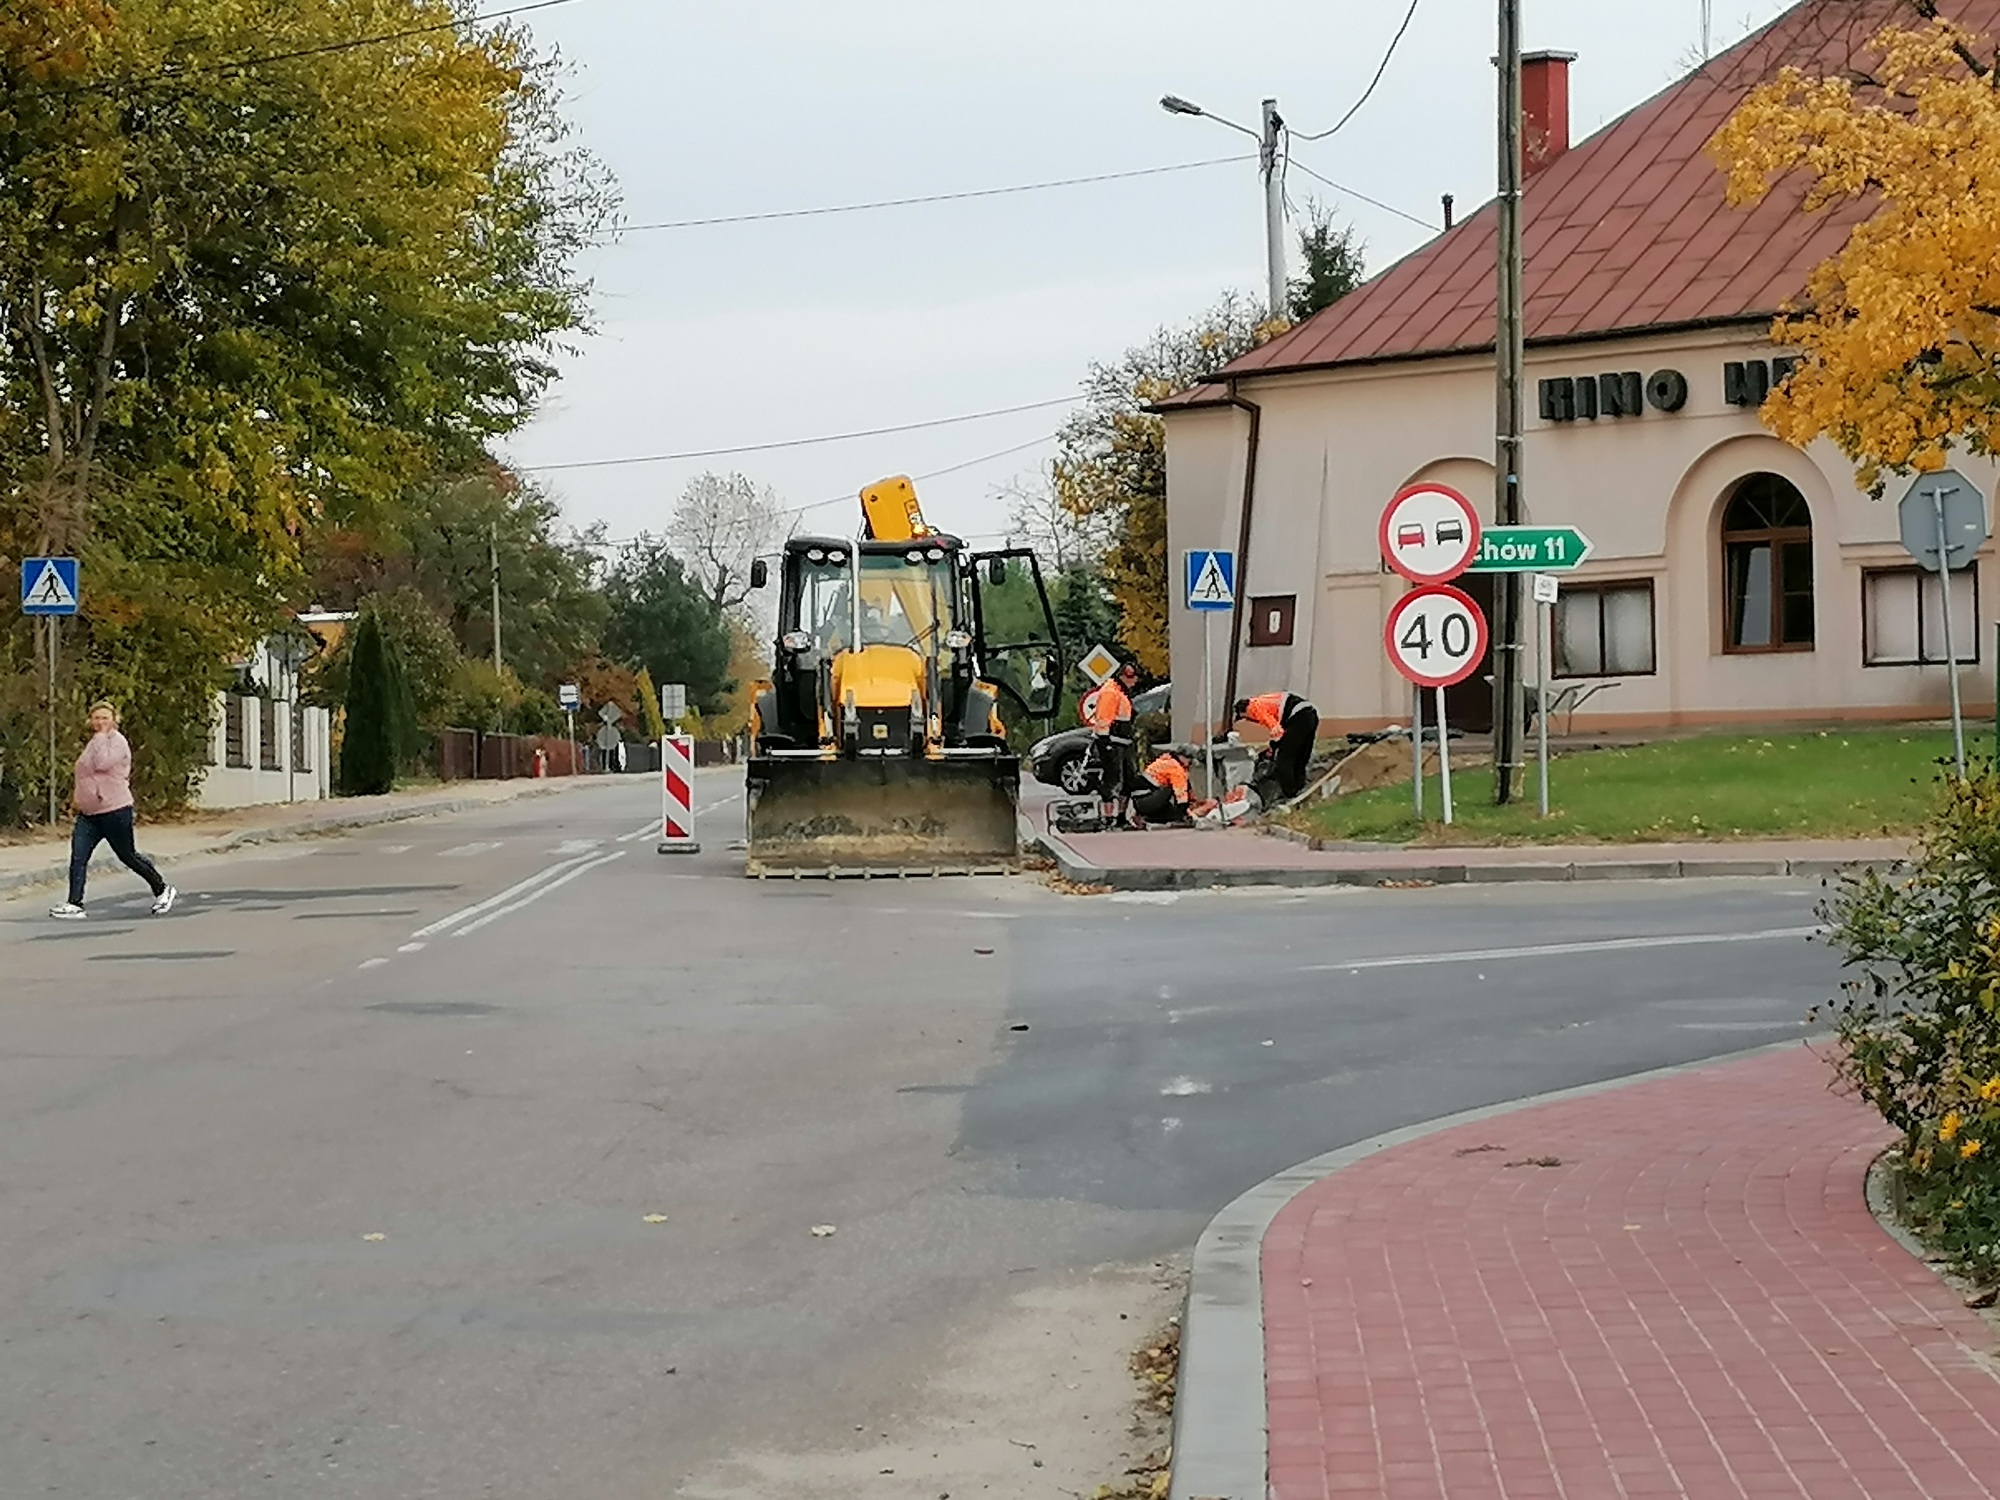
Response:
column 115, row 829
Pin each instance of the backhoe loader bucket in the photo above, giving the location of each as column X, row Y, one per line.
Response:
column 889, row 815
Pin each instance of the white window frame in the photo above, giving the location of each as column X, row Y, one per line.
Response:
column 1966, row 628
column 1560, row 670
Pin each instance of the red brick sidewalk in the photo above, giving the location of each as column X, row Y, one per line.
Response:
column 1696, row 1303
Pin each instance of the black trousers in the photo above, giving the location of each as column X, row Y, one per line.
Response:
column 115, row 829
column 1158, row 804
column 1288, row 766
column 1119, row 768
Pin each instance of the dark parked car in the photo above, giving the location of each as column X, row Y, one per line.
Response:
column 1059, row 759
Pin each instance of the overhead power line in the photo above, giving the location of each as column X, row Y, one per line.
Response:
column 1367, row 93
column 1356, row 193
column 855, row 208
column 256, row 60
column 806, row 442
column 970, row 463
column 351, row 43
column 615, row 543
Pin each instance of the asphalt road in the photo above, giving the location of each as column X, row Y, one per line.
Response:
column 336, row 1181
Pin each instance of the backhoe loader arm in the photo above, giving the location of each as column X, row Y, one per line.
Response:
column 890, row 513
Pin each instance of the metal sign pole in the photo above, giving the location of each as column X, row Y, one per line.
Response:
column 1208, row 695
column 52, row 622
column 1444, row 757
column 1950, row 652
column 1417, row 747
column 1542, row 703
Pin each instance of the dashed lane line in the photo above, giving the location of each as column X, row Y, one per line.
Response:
column 519, row 887
column 1556, row 950
column 537, row 893
column 467, row 851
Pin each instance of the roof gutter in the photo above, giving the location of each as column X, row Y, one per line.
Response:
column 1256, row 412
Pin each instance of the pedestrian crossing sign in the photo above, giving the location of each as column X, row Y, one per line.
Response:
column 1211, row 580
column 48, row 586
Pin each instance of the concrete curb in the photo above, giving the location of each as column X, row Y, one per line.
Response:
column 1220, row 1433
column 1076, row 869
column 243, row 838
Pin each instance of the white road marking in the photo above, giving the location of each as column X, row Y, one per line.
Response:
column 491, row 901
column 396, row 848
column 1556, row 950
column 372, row 963
column 576, row 846
column 1181, row 1088
column 538, row 892
column 1145, row 898
column 412, row 948
column 653, row 828
column 467, row 851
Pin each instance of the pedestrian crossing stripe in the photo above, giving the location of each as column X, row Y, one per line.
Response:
column 50, row 592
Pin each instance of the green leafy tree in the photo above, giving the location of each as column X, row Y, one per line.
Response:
column 371, row 740
column 1334, row 264
column 1111, row 458
column 661, row 620
column 1086, row 614
column 423, row 641
column 245, row 300
column 550, row 615
column 652, row 720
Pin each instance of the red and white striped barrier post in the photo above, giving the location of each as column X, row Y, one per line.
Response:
column 677, row 795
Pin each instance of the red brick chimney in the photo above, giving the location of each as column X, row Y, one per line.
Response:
column 1544, row 109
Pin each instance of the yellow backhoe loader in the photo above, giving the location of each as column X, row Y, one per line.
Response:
column 877, row 745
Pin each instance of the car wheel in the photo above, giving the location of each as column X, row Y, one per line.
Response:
column 1073, row 775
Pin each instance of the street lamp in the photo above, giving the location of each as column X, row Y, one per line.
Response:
column 1274, row 187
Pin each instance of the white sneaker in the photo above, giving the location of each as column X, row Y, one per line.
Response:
column 69, row 911
column 165, row 901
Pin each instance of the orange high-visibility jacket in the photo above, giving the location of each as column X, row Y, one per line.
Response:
column 1167, row 772
column 1269, row 710
column 1111, row 707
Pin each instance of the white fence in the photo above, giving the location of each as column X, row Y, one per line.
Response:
column 267, row 750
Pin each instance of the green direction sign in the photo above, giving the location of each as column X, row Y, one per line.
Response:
column 1530, row 549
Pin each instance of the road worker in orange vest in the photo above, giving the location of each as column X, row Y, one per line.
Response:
column 1117, row 740
column 1293, row 724
column 1164, row 794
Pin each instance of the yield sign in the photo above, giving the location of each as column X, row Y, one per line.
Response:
column 48, row 586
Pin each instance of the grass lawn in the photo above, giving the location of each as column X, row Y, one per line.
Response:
column 1832, row 784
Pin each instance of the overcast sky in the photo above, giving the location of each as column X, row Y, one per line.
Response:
column 760, row 332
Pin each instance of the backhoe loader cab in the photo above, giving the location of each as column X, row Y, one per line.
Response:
column 878, row 743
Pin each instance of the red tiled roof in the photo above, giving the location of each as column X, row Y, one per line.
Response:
column 1624, row 232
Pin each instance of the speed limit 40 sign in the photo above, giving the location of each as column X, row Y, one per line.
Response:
column 1436, row 636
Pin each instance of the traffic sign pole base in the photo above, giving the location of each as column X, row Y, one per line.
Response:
column 679, row 846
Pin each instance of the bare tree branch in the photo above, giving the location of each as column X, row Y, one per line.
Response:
column 721, row 524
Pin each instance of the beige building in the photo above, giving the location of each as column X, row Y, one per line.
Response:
column 1733, row 577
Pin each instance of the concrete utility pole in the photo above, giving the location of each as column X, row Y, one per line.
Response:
column 493, row 556
column 1508, row 360
column 1274, row 208
column 1270, row 161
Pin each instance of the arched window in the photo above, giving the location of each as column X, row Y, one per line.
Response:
column 1767, row 567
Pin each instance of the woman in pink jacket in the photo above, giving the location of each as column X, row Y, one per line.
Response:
column 103, row 799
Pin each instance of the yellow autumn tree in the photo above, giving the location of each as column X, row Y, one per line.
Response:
column 1900, row 332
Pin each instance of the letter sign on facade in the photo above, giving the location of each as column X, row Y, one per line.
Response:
column 1617, row 393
